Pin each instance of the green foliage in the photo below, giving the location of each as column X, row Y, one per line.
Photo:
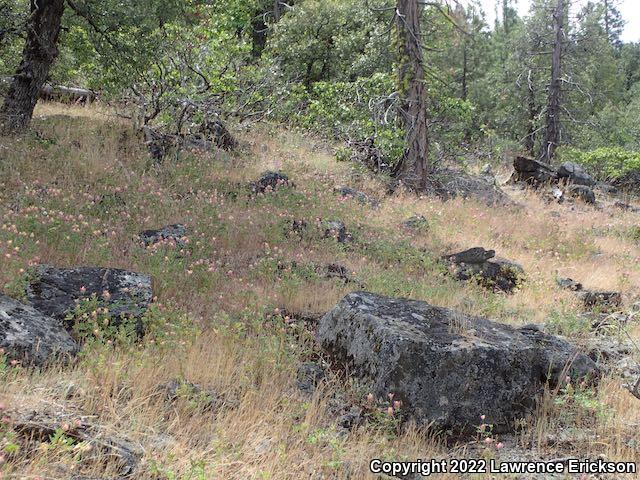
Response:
column 330, row 40
column 609, row 163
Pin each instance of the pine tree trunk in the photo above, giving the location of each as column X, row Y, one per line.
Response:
column 413, row 169
column 38, row 55
column 552, row 123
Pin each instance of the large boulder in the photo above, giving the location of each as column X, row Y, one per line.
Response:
column 582, row 192
column 533, row 172
column 574, row 173
column 447, row 369
column 495, row 273
column 56, row 291
column 448, row 183
column 30, row 337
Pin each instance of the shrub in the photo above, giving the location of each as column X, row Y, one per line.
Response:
column 608, row 163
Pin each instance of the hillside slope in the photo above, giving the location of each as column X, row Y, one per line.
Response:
column 235, row 304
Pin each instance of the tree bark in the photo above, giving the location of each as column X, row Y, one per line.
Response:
column 554, row 99
column 38, row 55
column 413, row 169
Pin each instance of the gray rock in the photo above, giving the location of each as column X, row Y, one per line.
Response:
column 309, row 375
column 625, row 206
column 446, row 368
column 30, row 337
column 472, row 255
column 476, row 263
column 569, row 284
column 582, row 192
column 574, row 173
column 416, row 222
column 337, row 230
column 361, row 197
column 533, row 172
column 449, row 183
column 171, row 233
column 270, row 182
column 55, row 291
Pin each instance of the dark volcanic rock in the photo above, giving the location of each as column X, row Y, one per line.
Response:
column 582, row 192
column 592, row 298
column 55, row 291
column 600, row 300
column 446, row 368
column 270, row 182
column 309, row 375
column 30, row 337
column 361, row 197
column 574, row 173
column 171, row 233
column 494, row 273
column 533, row 172
column 472, row 255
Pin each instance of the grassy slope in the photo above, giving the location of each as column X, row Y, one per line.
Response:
column 227, row 283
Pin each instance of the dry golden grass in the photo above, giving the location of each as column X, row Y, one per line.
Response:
column 227, row 284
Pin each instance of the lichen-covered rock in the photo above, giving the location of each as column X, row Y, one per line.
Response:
column 56, row 291
column 30, row 337
column 447, row 369
column 174, row 234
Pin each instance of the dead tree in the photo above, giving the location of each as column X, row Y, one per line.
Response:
column 413, row 169
column 554, row 98
column 39, row 53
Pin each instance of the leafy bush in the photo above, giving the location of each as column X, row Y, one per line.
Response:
column 610, row 163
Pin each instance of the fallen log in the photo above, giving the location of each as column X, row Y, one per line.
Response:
column 60, row 93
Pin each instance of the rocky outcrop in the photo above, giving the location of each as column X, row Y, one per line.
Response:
column 592, row 299
column 533, row 172
column 576, row 174
column 494, row 273
column 270, row 182
column 447, row 369
column 56, row 291
column 173, row 234
column 31, row 338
